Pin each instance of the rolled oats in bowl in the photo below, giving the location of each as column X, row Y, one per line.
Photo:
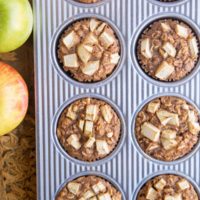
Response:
column 167, row 187
column 167, row 128
column 168, row 50
column 89, row 187
column 89, row 50
column 89, row 130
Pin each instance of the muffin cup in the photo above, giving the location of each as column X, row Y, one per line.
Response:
column 170, row 172
column 93, row 173
column 175, row 3
column 134, row 139
column 80, row 162
column 57, row 65
column 136, row 37
column 87, row 5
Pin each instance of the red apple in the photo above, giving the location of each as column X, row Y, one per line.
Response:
column 13, row 98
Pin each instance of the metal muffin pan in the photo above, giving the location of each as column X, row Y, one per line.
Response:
column 103, row 160
column 57, row 65
column 134, row 139
column 167, row 172
column 86, row 5
column 136, row 37
column 127, row 90
column 174, row 3
column 92, row 173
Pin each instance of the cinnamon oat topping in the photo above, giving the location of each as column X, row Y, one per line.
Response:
column 167, row 128
column 89, row 50
column 168, row 50
column 168, row 187
column 91, row 188
column 89, row 129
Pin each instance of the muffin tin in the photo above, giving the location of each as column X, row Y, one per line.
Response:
column 100, row 161
column 134, row 140
column 98, row 174
column 65, row 75
column 126, row 89
column 173, row 3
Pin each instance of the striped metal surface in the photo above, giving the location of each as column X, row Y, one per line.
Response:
column 127, row 90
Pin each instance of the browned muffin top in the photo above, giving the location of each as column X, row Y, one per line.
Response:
column 168, row 50
column 89, row 50
column 168, row 187
column 91, row 188
column 167, row 128
column 89, row 129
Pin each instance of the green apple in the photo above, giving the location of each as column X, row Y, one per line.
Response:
column 16, row 23
column 13, row 98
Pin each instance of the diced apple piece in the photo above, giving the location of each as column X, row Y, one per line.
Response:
column 146, row 49
column 88, row 47
column 191, row 116
column 174, row 197
column 160, row 184
column 106, row 39
column 107, row 114
column 151, row 194
column 88, row 194
column 114, row 58
column 105, row 196
column 91, row 39
column 71, row 40
column 169, row 134
column 109, row 135
column 151, row 132
column 183, row 184
column 83, row 54
column 100, row 28
column 166, row 117
column 193, row 47
column 71, row 60
column 102, row 147
column 194, row 127
column 90, row 142
column 185, row 107
column 88, row 129
column 170, row 49
column 163, row 53
column 182, row 31
column 93, row 198
column 164, row 70
column 74, row 187
column 91, row 67
column 73, row 140
column 81, row 124
column 99, row 187
column 94, row 24
column 91, row 112
column 82, row 198
column 165, row 27
column 153, row 107
column 70, row 114
column 168, row 144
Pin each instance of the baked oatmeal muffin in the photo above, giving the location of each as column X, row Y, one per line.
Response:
column 88, row 1
column 168, row 187
column 89, row 187
column 89, row 50
column 168, row 50
column 167, row 128
column 89, row 129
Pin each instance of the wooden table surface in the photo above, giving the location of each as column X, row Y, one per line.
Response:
column 17, row 149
